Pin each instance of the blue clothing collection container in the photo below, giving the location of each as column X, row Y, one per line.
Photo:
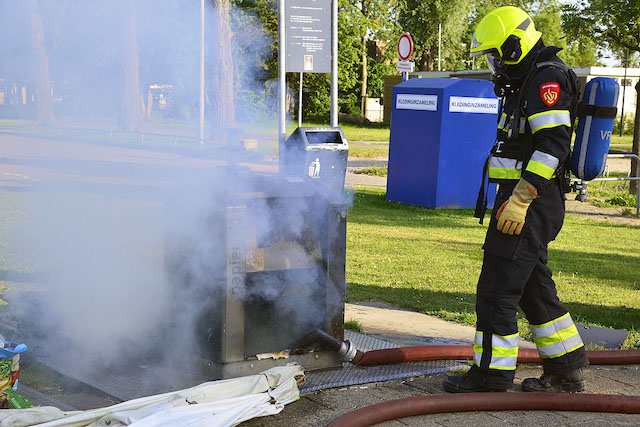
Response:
column 441, row 133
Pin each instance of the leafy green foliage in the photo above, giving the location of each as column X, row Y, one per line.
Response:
column 422, row 17
column 374, row 171
column 614, row 23
column 353, row 325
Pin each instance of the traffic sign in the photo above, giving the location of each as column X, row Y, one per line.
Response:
column 405, row 47
column 405, row 66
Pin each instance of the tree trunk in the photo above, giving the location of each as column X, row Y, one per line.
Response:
column 223, row 109
column 363, row 87
column 131, row 97
column 149, row 104
column 635, row 149
column 44, row 97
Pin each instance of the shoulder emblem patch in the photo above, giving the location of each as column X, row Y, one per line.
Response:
column 550, row 92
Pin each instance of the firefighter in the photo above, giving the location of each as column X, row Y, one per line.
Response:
column 538, row 97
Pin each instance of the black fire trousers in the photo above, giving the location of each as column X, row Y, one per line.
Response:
column 515, row 272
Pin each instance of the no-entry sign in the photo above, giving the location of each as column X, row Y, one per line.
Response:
column 405, row 47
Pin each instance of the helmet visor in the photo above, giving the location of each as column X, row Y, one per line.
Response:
column 494, row 60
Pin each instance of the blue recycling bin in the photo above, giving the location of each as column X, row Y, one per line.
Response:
column 441, row 133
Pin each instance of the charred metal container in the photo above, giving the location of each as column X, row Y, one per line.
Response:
column 270, row 269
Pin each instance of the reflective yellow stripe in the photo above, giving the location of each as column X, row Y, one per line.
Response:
column 557, row 337
column 502, row 173
column 504, row 352
column 540, row 169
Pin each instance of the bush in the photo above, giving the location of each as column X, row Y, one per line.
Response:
column 622, row 199
column 628, row 124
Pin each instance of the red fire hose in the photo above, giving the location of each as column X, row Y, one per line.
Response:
column 449, row 352
column 487, row 402
column 479, row 401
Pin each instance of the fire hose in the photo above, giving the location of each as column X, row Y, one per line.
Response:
column 474, row 401
column 455, row 352
column 435, row 404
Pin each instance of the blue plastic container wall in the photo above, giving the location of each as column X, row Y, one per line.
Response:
column 441, row 133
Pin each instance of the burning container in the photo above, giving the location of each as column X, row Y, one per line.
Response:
column 271, row 270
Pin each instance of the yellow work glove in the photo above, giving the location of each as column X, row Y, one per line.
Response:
column 512, row 213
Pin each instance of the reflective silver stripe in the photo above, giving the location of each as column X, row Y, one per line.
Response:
column 477, row 341
column 549, row 119
column 586, row 130
column 503, row 121
column 505, row 163
column 478, row 338
column 477, row 358
column 504, row 363
column 507, row 342
column 523, row 124
column 561, row 348
column 545, row 159
column 550, row 328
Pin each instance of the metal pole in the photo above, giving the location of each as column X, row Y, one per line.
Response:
column 334, row 63
column 201, row 115
column 281, row 78
column 439, row 44
column 624, row 87
column 300, row 101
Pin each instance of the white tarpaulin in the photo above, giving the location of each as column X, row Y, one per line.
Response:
column 216, row 403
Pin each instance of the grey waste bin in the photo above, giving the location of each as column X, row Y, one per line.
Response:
column 318, row 152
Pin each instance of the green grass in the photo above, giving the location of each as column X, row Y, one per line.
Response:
column 369, row 152
column 623, row 142
column 612, row 194
column 374, row 171
column 353, row 325
column 353, row 132
column 429, row 260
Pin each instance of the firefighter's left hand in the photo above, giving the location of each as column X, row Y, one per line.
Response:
column 512, row 213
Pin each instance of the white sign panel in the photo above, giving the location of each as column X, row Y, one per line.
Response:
column 405, row 66
column 467, row 104
column 407, row 101
column 308, row 36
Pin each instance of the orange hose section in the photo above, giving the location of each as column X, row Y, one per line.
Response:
column 448, row 352
column 434, row 404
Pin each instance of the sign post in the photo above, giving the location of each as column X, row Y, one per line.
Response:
column 308, row 43
column 405, row 52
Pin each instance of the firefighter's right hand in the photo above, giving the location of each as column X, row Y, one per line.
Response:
column 512, row 213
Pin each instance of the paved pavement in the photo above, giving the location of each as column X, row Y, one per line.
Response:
column 405, row 327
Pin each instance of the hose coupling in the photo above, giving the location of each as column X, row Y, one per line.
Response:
column 347, row 351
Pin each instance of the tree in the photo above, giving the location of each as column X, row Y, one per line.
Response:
column 576, row 52
column 222, row 99
column 615, row 24
column 132, row 103
column 423, row 17
column 369, row 20
column 44, row 98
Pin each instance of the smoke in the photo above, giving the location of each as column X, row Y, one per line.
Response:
column 130, row 246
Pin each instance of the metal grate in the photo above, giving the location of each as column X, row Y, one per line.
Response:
column 40, row 399
column 351, row 374
column 129, row 383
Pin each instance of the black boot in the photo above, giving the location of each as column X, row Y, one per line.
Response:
column 571, row 381
column 465, row 384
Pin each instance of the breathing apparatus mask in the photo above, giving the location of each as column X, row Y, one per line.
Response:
column 503, row 85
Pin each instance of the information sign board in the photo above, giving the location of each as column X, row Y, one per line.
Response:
column 308, row 36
